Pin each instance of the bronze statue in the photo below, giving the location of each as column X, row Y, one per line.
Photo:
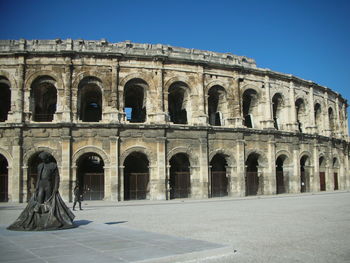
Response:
column 46, row 209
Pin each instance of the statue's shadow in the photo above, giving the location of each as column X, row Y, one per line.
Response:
column 78, row 223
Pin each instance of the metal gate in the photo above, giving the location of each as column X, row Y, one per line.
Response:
column 180, row 185
column 218, row 184
column 280, row 182
column 336, row 186
column 322, row 181
column 251, row 183
column 3, row 187
column 136, row 186
column 93, row 186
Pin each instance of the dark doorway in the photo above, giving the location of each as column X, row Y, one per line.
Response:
column 251, row 178
column 322, row 174
column 180, row 179
column 33, row 163
column 304, row 176
column 135, row 100
column 218, row 177
column 5, row 99
column 43, row 99
column 3, row 179
column 280, row 186
column 136, row 176
column 90, row 100
column 90, row 176
column 178, row 103
column 336, row 185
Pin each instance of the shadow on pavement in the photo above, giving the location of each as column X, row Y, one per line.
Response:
column 78, row 223
column 115, row 223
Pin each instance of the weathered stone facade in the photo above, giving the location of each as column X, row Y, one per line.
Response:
column 140, row 121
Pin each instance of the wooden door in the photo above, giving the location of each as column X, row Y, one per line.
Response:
column 218, row 184
column 322, row 181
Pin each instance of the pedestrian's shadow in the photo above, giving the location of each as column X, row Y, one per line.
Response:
column 115, row 223
column 79, row 223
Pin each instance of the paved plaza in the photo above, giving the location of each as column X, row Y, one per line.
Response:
column 285, row 228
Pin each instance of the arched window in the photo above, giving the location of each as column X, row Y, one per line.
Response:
column 90, row 100
column 250, row 107
column 318, row 117
column 43, row 99
column 178, row 102
column 180, row 177
column 135, row 100
column 216, row 105
column 5, row 98
column 136, row 177
column 218, row 178
column 252, row 180
column 277, row 101
column 301, row 114
column 90, row 176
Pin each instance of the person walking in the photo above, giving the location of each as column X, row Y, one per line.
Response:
column 78, row 197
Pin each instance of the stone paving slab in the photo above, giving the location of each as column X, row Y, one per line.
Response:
column 96, row 242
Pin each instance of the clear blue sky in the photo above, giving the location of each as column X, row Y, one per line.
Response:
column 309, row 39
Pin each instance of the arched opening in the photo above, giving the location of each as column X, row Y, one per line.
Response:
column 135, row 100
column 252, row 180
column 218, row 176
column 33, row 173
column 5, row 98
column 43, row 98
column 136, row 176
column 335, row 173
column 331, row 119
column 90, row 100
column 300, row 114
column 3, row 179
column 318, row 117
column 280, row 178
column 180, row 177
column 277, row 101
column 322, row 168
column 178, row 102
column 250, row 107
column 216, row 105
column 90, row 176
column 304, row 174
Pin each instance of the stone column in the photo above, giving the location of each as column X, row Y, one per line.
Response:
column 315, row 176
column 159, row 179
column 15, row 115
column 294, row 179
column 67, row 82
column 74, row 179
column 196, row 184
column 327, row 128
column 270, row 172
column 312, row 125
column 114, row 150
column 346, row 124
column 239, row 177
column 292, row 125
column 66, row 186
column 237, row 117
column 121, row 183
column 112, row 114
column 267, row 123
column 201, row 116
column 168, row 182
column 23, row 185
column 203, row 163
column 16, row 179
column 338, row 127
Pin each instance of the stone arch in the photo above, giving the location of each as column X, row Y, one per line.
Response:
column 250, row 97
column 278, row 106
column 36, row 75
column 282, row 171
column 139, row 75
column 217, row 105
column 86, row 74
column 10, row 78
column 213, row 83
column 185, row 150
column 331, row 118
column 263, row 161
column 307, row 154
column 28, row 154
column 288, row 160
column 228, row 156
column 91, row 149
column 251, row 86
column 8, row 157
column 186, row 80
column 142, row 149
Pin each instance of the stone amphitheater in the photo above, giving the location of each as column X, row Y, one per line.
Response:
column 129, row 121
